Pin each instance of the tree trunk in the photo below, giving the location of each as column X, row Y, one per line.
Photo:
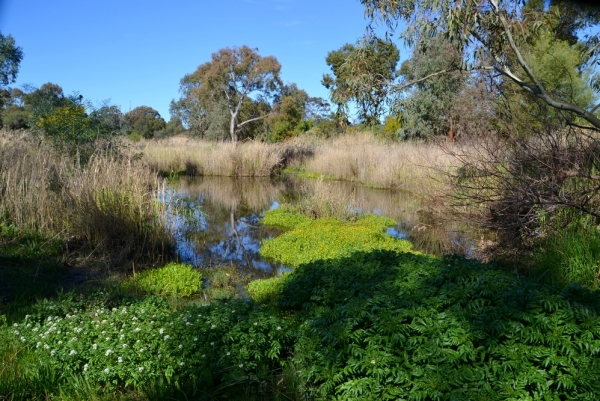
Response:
column 232, row 127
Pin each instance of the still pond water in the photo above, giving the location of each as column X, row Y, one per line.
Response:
column 219, row 218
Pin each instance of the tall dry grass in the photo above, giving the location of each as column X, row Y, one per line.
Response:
column 361, row 157
column 199, row 157
column 108, row 206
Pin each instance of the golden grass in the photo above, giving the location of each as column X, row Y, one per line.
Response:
column 360, row 157
column 110, row 205
column 199, row 157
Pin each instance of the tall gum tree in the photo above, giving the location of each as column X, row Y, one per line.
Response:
column 235, row 75
column 493, row 35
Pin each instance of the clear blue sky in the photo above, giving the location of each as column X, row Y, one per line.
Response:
column 134, row 52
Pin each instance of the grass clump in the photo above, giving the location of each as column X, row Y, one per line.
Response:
column 266, row 291
column 327, row 238
column 569, row 256
column 173, row 280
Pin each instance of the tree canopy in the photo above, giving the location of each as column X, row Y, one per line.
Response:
column 238, row 82
column 362, row 74
column 10, row 58
column 495, row 36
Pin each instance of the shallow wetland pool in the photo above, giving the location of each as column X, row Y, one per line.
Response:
column 218, row 219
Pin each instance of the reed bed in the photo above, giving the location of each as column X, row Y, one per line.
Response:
column 108, row 206
column 199, row 157
column 360, row 157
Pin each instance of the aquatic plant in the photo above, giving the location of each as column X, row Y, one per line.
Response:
column 173, row 279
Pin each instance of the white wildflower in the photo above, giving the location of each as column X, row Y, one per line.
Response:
column 141, row 368
column 120, row 359
column 108, row 352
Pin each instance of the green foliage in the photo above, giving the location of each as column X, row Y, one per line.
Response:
column 144, row 121
column 569, row 256
column 430, row 107
column 173, row 279
column 361, row 74
column 142, row 342
column 327, row 238
column 283, row 219
column 266, row 291
column 386, row 325
column 14, row 117
column 250, row 81
column 10, row 58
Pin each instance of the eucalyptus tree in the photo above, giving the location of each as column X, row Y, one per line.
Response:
column 10, row 58
column 234, row 78
column 495, row 36
column 362, row 73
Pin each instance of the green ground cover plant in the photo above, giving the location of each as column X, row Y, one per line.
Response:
column 137, row 343
column 173, row 279
column 327, row 238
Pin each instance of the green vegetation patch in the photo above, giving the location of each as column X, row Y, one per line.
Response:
column 174, row 279
column 139, row 344
column 267, row 290
column 310, row 240
column 384, row 325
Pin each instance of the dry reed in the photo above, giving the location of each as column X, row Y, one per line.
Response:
column 199, row 157
column 413, row 166
column 110, row 205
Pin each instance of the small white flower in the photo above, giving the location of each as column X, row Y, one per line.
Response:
column 106, row 371
column 252, row 340
column 167, row 337
column 95, row 346
column 137, row 329
column 278, row 327
column 241, row 365
column 120, row 359
column 73, row 352
column 53, row 352
column 152, row 322
column 38, row 344
column 229, row 353
column 182, row 363
column 23, row 339
column 27, row 317
column 85, row 367
column 373, row 361
column 159, row 356
column 142, row 349
column 16, row 325
column 46, row 346
column 180, row 346
column 143, row 310
column 107, row 338
column 161, row 331
column 35, row 329
column 213, row 326
column 125, row 345
column 60, row 342
column 134, row 318
column 17, row 332
column 114, row 309
column 195, row 338
column 256, row 323
column 141, row 368
column 108, row 352
column 212, row 344
column 203, row 355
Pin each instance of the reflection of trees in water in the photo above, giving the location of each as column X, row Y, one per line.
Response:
column 222, row 224
column 231, row 210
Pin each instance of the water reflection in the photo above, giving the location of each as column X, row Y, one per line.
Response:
column 218, row 218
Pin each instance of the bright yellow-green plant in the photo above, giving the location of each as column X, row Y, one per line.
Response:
column 266, row 291
column 174, row 279
column 309, row 240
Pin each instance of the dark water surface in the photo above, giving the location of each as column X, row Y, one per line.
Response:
column 218, row 219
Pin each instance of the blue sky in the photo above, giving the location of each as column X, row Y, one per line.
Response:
column 134, row 52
